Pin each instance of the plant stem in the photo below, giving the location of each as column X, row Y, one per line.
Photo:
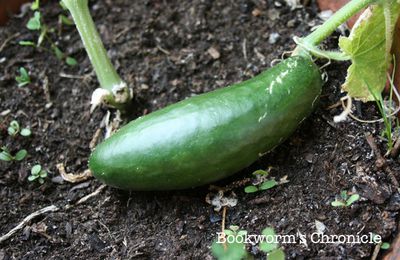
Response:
column 106, row 74
column 341, row 16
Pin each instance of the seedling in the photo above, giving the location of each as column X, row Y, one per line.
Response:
column 23, row 78
column 233, row 248
column 35, row 23
column 270, row 245
column 14, row 129
column 345, row 200
column 38, row 174
column 383, row 245
column 6, row 156
column 262, row 183
column 35, row 5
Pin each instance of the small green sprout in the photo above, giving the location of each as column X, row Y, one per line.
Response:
column 71, row 61
column 378, row 240
column 261, row 183
column 270, row 245
column 345, row 200
column 38, row 174
column 15, row 128
column 233, row 248
column 34, row 23
column 35, row 5
column 23, row 78
column 65, row 20
column 385, row 245
column 6, row 156
column 27, row 43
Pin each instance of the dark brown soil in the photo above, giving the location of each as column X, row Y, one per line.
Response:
column 161, row 47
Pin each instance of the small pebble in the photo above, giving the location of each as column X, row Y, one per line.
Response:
column 273, row 38
column 214, row 53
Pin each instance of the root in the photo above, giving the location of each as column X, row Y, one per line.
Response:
column 26, row 220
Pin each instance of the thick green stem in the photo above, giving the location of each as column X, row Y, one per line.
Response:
column 106, row 74
column 341, row 16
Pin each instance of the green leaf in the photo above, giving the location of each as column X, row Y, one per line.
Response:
column 11, row 131
column 385, row 245
column 261, row 172
column 35, row 5
column 25, row 132
column 353, row 198
column 41, row 181
column 268, row 232
column 21, row 155
column 36, row 169
column 5, row 156
column 43, row 174
column 370, row 55
column 233, row 251
column 269, row 243
column 34, row 23
column 71, row 61
column 250, row 189
column 338, row 203
column 65, row 20
column 32, row 177
column 23, row 78
column 14, row 124
column 277, row 254
column 26, row 43
column 268, row 185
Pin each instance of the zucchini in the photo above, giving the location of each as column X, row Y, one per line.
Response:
column 210, row 136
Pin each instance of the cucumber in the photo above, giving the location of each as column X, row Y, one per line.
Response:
column 210, row 136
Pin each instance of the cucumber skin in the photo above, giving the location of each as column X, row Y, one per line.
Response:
column 210, row 136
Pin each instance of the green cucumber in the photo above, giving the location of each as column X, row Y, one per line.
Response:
column 210, row 136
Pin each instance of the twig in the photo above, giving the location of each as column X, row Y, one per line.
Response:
column 376, row 251
column 223, row 224
column 87, row 197
column 381, row 161
column 95, row 138
column 26, row 220
column 8, row 40
column 396, row 149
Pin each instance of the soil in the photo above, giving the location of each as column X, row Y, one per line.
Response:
column 161, row 47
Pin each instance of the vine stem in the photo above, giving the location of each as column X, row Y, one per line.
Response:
column 105, row 71
column 341, row 16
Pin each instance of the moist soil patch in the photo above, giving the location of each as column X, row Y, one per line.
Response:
column 168, row 51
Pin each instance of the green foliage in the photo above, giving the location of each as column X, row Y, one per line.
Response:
column 261, row 183
column 345, row 200
column 14, row 128
column 38, row 174
column 231, row 251
column 234, row 249
column 23, row 78
column 35, row 5
column 65, row 20
column 34, row 23
column 385, row 245
column 27, row 43
column 6, row 156
column 270, row 245
column 369, row 47
column 71, row 61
